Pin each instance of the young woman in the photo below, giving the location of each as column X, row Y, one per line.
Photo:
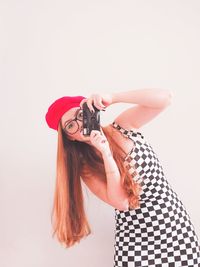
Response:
column 120, row 167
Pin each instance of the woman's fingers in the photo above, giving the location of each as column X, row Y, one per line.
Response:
column 98, row 101
column 98, row 105
column 93, row 99
column 82, row 102
column 89, row 103
column 95, row 133
column 99, row 141
column 98, row 138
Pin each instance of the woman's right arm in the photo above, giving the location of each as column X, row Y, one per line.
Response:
column 115, row 190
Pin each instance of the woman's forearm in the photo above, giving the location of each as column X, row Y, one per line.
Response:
column 155, row 98
column 115, row 190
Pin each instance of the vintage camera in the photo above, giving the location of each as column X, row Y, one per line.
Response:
column 91, row 121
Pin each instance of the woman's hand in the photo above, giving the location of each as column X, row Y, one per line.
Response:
column 99, row 141
column 100, row 101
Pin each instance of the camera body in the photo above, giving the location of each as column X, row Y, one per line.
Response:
column 91, row 121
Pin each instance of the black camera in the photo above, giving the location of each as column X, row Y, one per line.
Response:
column 91, row 120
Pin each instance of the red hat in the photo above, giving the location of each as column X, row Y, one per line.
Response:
column 59, row 107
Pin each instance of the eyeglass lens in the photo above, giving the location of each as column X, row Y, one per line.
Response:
column 72, row 126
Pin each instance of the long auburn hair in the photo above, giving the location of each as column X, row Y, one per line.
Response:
column 74, row 159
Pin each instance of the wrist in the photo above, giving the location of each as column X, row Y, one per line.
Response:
column 106, row 153
column 112, row 172
column 115, row 98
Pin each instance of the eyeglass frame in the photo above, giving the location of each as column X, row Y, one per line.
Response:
column 75, row 119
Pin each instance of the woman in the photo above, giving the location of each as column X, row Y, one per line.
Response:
column 120, row 167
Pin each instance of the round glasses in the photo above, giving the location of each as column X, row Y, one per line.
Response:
column 72, row 126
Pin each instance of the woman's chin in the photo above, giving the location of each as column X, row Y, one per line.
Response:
column 85, row 138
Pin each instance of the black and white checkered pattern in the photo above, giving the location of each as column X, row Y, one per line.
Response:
column 159, row 233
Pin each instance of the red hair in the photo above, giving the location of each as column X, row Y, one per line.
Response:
column 74, row 159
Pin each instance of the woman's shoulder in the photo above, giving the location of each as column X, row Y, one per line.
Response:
column 120, row 126
column 114, row 131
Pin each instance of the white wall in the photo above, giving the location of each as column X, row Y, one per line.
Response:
column 54, row 48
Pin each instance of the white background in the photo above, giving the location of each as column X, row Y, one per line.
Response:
column 50, row 49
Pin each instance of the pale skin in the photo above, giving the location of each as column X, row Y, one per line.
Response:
column 148, row 104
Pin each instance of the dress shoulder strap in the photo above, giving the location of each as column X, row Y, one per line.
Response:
column 127, row 132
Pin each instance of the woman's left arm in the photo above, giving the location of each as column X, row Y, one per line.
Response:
column 149, row 104
column 153, row 98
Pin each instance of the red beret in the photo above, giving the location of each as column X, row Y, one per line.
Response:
column 59, row 107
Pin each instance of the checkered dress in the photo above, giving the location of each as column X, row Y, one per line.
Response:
column 159, row 233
